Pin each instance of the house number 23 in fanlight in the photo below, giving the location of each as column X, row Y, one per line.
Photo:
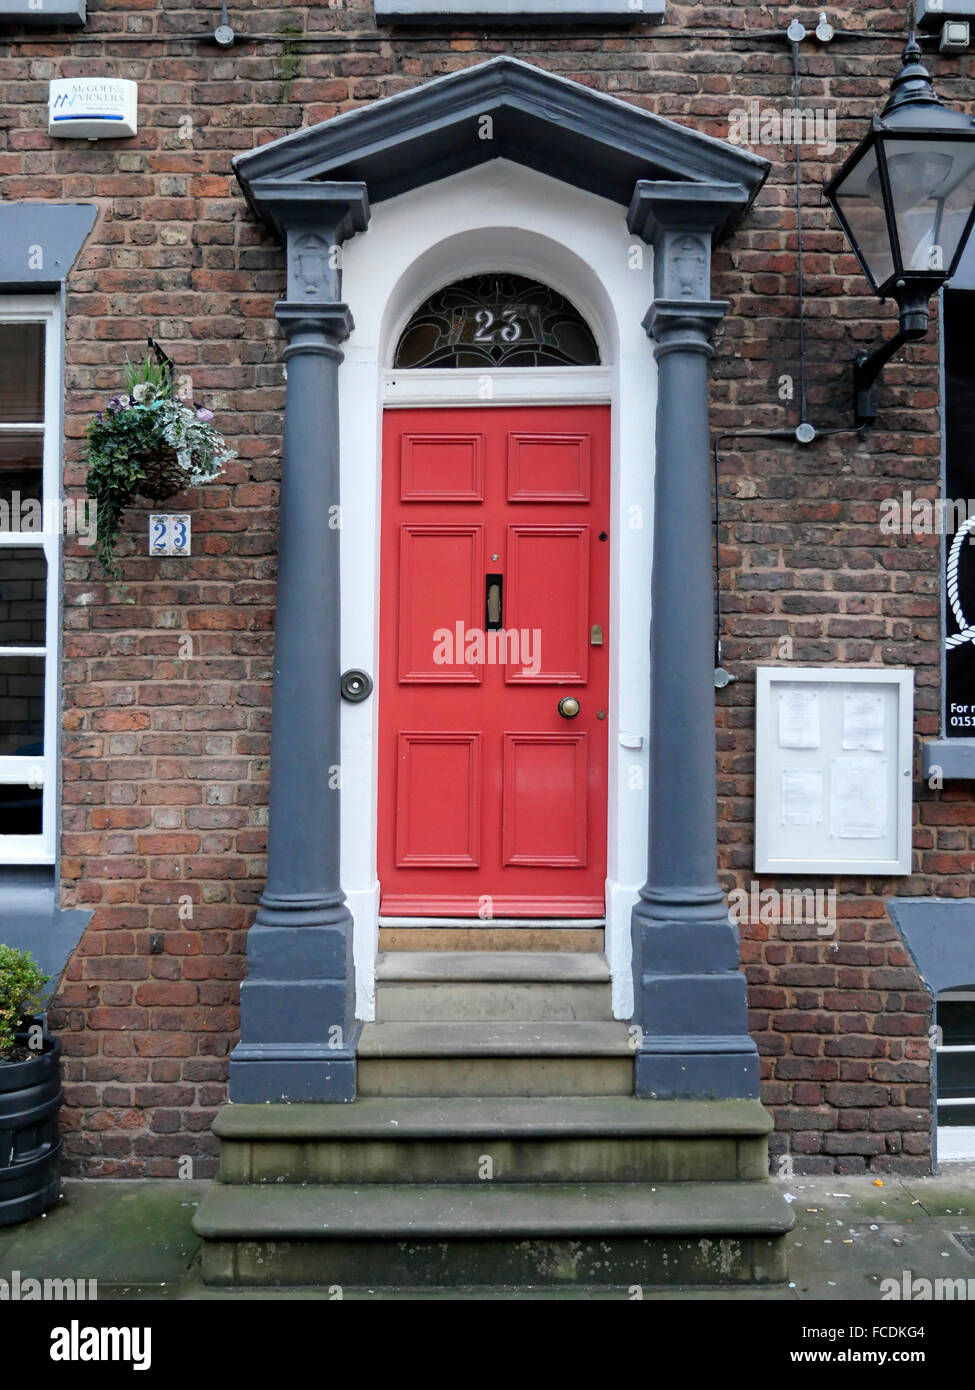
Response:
column 488, row 327
column 169, row 533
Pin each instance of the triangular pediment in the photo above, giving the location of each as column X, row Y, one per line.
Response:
column 501, row 109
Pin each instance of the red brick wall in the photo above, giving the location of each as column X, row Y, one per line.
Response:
column 166, row 740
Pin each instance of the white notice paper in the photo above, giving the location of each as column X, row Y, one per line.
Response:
column 858, row 798
column 802, row 796
column 863, row 720
column 798, row 718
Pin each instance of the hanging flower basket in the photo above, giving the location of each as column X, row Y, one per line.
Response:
column 148, row 443
column 162, row 475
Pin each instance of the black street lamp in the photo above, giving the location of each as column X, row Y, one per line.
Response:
column 906, row 200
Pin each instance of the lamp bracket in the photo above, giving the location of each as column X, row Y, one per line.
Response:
column 912, row 302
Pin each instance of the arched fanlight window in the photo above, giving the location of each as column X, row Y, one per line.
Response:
column 497, row 320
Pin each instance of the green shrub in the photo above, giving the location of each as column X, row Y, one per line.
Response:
column 21, row 992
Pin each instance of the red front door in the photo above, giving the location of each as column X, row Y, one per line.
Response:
column 495, row 606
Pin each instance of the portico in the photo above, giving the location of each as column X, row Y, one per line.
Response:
column 677, row 193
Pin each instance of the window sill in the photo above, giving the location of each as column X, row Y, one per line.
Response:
column 55, row 14
column 30, row 918
column 954, row 757
column 536, row 12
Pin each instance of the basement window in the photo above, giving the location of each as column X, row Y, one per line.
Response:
column 956, row 1075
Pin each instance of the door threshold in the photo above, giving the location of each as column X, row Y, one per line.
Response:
column 498, row 923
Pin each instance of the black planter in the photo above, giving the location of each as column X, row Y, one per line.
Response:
column 30, row 1149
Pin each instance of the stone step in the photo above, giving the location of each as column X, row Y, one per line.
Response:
column 544, row 967
column 493, row 1003
column 491, row 936
column 581, row 1139
column 494, row 1234
column 515, row 1058
column 492, row 986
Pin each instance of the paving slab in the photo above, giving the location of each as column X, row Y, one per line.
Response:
column 118, row 1232
column 135, row 1238
column 851, row 1235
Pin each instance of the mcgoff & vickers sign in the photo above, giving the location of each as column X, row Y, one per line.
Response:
column 93, row 108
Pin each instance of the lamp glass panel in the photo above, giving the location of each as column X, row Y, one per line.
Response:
column 859, row 200
column 932, row 185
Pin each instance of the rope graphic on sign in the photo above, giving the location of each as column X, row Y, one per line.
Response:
column 965, row 632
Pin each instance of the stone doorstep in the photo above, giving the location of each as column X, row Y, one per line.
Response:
column 474, row 1075
column 461, row 1117
column 544, row 967
column 484, row 1210
column 491, row 1039
column 495, row 1059
column 697, row 1233
column 490, row 938
column 434, row 1161
column 587, row 1139
column 493, row 986
column 469, row 1001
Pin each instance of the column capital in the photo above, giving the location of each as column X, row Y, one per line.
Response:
column 314, row 326
column 682, row 222
column 683, row 325
column 709, row 206
column 313, row 220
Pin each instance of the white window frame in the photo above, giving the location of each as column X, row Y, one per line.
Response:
column 14, row 768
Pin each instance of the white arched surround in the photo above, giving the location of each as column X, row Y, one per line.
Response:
column 500, row 216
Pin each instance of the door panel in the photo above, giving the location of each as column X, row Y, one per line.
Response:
column 494, row 581
column 546, row 780
column 548, row 597
column 438, row 806
column 549, row 467
column 440, row 584
column 441, row 468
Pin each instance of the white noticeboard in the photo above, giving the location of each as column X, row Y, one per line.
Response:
column 833, row 769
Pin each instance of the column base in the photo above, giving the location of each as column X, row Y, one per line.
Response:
column 298, row 1030
column 690, row 1001
column 263, row 1073
column 697, row 1069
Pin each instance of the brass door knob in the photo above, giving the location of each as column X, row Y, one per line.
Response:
column 569, row 707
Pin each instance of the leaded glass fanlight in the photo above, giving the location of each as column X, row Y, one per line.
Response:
column 497, row 320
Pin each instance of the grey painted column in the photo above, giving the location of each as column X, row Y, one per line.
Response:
column 298, row 1028
column 690, row 1005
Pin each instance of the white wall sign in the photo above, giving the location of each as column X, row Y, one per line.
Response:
column 93, row 108
column 833, row 790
